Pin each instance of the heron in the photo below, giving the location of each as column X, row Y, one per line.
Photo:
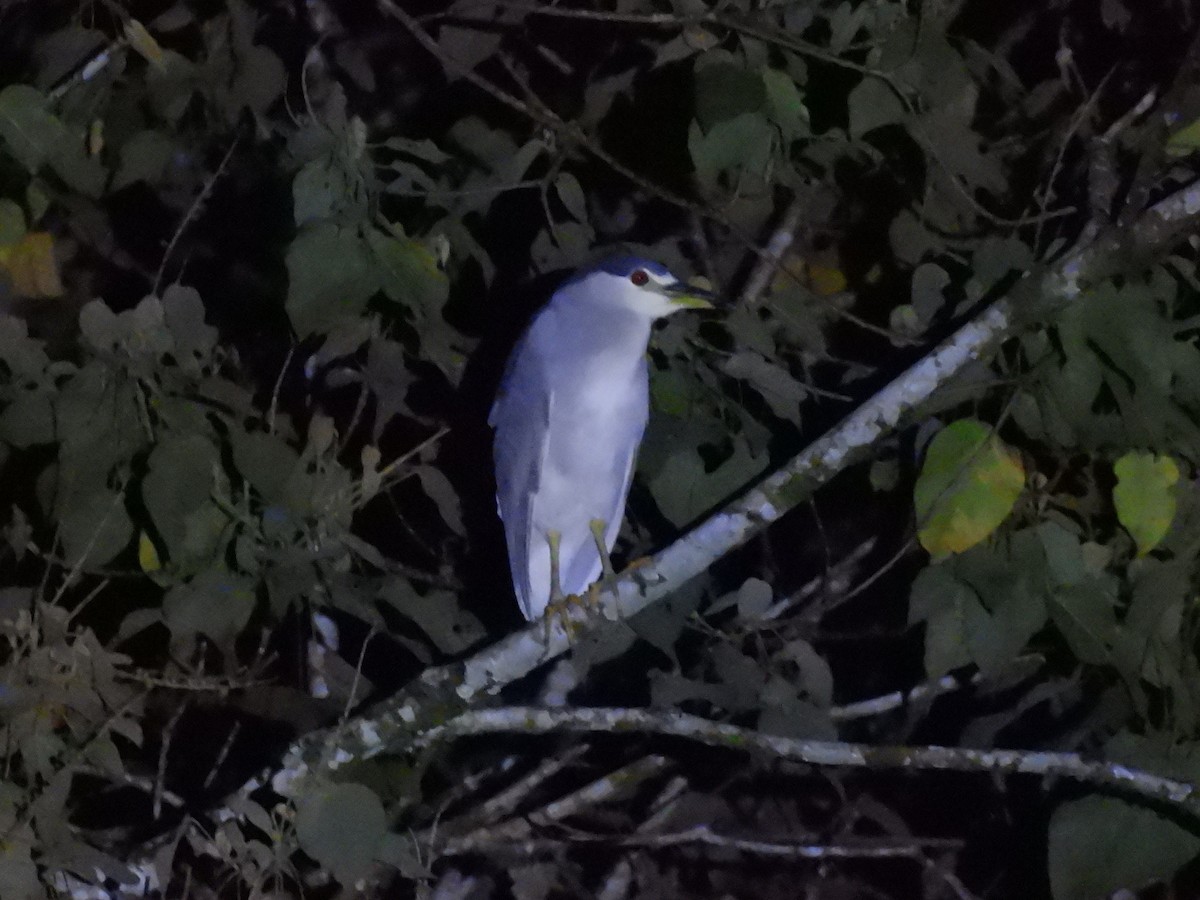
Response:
column 568, row 419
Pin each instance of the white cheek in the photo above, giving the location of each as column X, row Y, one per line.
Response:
column 655, row 305
column 644, row 302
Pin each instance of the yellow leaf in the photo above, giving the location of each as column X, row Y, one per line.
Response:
column 31, row 267
column 144, row 43
column 1145, row 497
column 967, row 487
column 1185, row 140
column 819, row 272
column 826, row 280
column 148, row 554
column 96, row 137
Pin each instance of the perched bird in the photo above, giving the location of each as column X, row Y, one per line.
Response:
column 568, row 419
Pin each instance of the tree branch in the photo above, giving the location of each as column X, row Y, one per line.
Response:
column 389, row 727
column 528, row 720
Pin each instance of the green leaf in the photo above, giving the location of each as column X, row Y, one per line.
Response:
column 1152, row 638
column 1064, row 554
column 742, row 143
column 873, row 104
column 438, row 613
column 170, row 90
column 884, row 475
column 439, row 489
column 28, row 420
column 672, row 392
column 31, row 133
column 960, row 149
column 410, row 276
column 782, row 392
column 144, row 157
column 1005, row 606
column 331, row 275
column 754, row 598
column 1085, row 617
column 144, row 330
column 1145, row 497
column 12, row 222
column 966, row 488
column 425, row 150
column 36, row 137
column 1185, row 140
column 99, row 327
column 1100, row 844
column 468, row 46
column 726, row 91
column 194, row 339
column 320, row 190
column 178, row 484
column 938, row 599
column 214, row 603
column 18, row 873
column 815, row 677
column 409, row 273
column 910, row 239
column 929, row 282
column 261, row 79
column 570, row 193
column 389, row 379
column 265, row 461
column 997, row 256
column 25, row 357
column 341, row 827
column 683, row 488
column 785, row 104
column 94, row 528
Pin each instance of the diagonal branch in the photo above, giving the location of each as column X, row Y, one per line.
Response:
column 440, row 693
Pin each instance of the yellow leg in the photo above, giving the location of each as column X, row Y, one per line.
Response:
column 554, row 539
column 559, row 606
column 598, row 526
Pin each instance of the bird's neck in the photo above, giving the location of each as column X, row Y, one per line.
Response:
column 615, row 335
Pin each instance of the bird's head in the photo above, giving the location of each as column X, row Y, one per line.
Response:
column 639, row 285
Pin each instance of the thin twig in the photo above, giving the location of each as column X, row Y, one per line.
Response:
column 507, row 801
column 138, row 781
column 223, row 753
column 778, row 245
column 167, row 735
column 273, row 409
column 193, row 213
column 1021, row 667
column 611, row 786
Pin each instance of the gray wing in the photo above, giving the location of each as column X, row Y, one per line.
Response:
column 521, row 419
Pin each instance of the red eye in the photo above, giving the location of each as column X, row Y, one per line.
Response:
column 639, row 277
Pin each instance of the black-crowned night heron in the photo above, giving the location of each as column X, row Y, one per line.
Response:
column 569, row 417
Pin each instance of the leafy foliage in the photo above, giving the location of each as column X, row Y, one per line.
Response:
column 209, row 402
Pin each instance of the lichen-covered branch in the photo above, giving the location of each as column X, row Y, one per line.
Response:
column 440, row 694
column 536, row 720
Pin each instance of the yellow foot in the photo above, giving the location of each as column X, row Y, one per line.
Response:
column 639, row 563
column 571, row 612
column 608, row 583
